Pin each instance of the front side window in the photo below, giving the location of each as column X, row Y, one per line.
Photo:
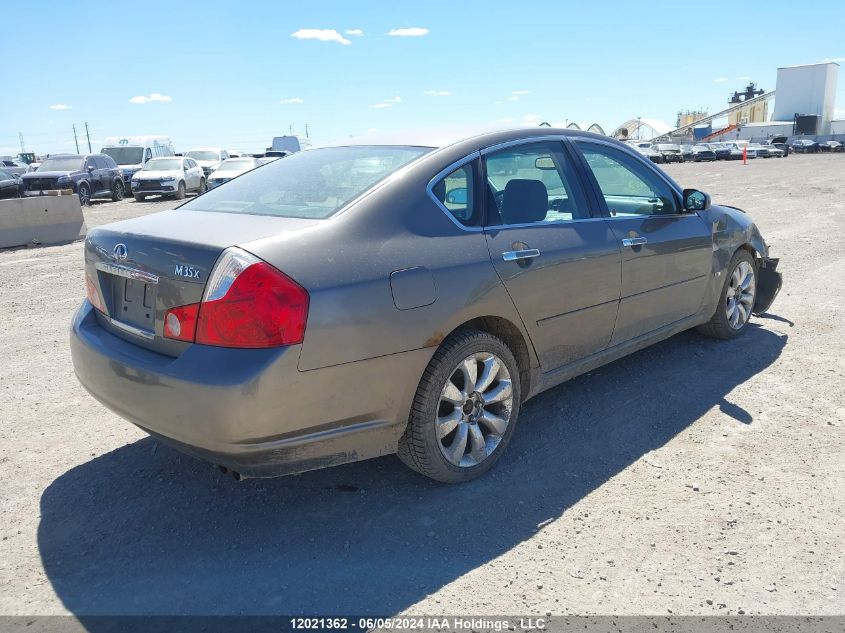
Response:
column 628, row 188
column 531, row 184
column 455, row 193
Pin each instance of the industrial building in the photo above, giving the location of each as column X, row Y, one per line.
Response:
column 804, row 104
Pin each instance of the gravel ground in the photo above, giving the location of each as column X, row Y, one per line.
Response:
column 695, row 477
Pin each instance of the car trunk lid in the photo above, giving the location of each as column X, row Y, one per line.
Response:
column 141, row 268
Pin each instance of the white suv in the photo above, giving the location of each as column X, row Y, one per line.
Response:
column 209, row 158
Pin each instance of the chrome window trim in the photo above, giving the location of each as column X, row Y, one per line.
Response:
column 429, row 189
column 523, row 225
column 126, row 271
column 131, row 329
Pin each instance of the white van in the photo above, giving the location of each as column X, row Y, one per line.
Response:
column 131, row 152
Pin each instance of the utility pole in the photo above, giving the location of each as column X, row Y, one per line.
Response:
column 306, row 131
column 23, row 147
column 88, row 136
column 290, row 130
column 75, row 140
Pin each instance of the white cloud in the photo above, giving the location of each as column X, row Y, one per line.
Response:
column 414, row 31
column 354, row 32
column 154, row 97
column 387, row 103
column 513, row 98
column 292, row 100
column 324, row 35
column 438, row 93
column 720, row 80
column 60, row 106
column 521, row 92
column 838, row 60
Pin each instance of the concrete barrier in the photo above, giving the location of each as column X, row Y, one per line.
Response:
column 40, row 220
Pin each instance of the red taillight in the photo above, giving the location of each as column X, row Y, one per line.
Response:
column 181, row 323
column 247, row 303
column 93, row 294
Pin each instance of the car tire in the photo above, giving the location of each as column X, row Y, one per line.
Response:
column 203, row 186
column 84, row 193
column 459, row 444
column 140, row 197
column 180, row 191
column 722, row 324
column 117, row 191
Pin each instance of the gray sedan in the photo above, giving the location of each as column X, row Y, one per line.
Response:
column 351, row 302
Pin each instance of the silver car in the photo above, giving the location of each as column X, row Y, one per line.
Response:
column 351, row 302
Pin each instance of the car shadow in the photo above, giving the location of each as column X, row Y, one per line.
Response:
column 146, row 530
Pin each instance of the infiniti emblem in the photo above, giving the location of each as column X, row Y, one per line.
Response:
column 121, row 252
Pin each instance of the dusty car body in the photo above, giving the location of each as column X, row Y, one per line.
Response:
column 418, row 310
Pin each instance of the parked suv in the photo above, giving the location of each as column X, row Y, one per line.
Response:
column 209, row 158
column 90, row 176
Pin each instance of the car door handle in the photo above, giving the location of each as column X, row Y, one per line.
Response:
column 633, row 241
column 512, row 256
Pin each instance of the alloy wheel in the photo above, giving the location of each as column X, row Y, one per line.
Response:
column 84, row 195
column 739, row 299
column 474, row 409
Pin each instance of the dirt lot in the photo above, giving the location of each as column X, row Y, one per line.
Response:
column 696, row 477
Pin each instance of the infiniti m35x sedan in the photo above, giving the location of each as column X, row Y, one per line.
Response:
column 351, row 302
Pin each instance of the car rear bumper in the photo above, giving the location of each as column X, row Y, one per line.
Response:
column 251, row 411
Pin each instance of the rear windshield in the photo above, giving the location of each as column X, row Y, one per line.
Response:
column 310, row 184
column 237, row 164
column 163, row 164
column 62, row 163
column 125, row 155
column 199, row 154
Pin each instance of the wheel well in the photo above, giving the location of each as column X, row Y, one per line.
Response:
column 513, row 338
column 751, row 251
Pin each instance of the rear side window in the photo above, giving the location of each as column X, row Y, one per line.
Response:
column 531, row 184
column 455, row 192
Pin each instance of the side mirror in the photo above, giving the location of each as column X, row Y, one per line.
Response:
column 544, row 163
column 695, row 200
column 90, row 169
column 457, row 196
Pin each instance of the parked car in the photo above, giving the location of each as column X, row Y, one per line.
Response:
column 671, row 153
column 830, row 146
column 804, row 146
column 760, row 151
column 12, row 165
column 649, row 152
column 267, row 159
column 702, row 152
column 722, row 151
column 774, row 151
column 172, row 177
column 310, row 313
column 231, row 168
column 773, row 143
column 132, row 152
column 209, row 158
column 89, row 176
column 11, row 185
column 686, row 152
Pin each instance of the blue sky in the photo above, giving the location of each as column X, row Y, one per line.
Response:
column 234, row 74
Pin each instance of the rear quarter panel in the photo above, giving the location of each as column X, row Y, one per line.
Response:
column 345, row 263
